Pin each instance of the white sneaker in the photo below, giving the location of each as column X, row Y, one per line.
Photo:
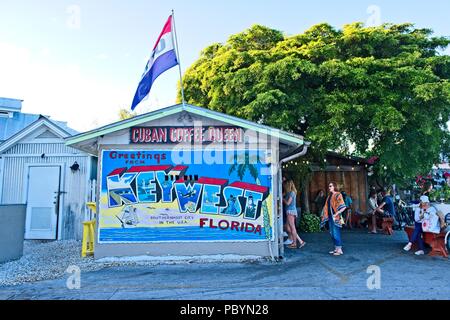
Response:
column 418, row 253
column 285, row 234
column 408, row 247
column 288, row 241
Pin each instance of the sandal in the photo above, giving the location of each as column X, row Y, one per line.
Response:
column 292, row 246
column 302, row 244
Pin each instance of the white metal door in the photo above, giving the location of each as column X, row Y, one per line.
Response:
column 42, row 205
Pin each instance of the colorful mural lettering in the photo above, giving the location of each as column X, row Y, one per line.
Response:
column 145, row 197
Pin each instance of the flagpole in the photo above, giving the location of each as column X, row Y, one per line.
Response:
column 178, row 57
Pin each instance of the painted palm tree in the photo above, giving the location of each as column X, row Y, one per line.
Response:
column 242, row 164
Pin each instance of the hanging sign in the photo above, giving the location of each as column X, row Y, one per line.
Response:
column 160, row 135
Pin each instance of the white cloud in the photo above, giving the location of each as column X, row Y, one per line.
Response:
column 60, row 91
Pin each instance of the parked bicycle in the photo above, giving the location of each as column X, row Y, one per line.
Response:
column 404, row 213
column 447, row 236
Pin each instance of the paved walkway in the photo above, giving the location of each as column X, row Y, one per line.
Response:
column 308, row 273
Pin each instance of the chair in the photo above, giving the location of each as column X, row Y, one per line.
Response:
column 87, row 246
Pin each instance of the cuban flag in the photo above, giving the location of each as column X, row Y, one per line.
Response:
column 163, row 58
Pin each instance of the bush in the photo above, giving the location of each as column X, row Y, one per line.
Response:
column 440, row 194
column 310, row 223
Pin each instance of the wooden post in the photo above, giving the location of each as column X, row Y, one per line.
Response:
column 305, row 198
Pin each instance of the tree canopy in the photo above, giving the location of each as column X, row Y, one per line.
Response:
column 381, row 91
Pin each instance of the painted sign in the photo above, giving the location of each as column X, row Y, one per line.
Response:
column 146, row 196
column 155, row 135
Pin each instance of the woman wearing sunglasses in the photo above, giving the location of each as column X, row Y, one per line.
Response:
column 332, row 213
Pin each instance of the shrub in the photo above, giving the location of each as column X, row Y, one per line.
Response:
column 310, row 223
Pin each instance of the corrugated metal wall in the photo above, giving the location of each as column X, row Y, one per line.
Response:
column 74, row 183
column 39, row 148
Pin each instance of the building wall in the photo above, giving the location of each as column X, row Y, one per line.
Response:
column 74, row 183
column 120, row 141
column 353, row 182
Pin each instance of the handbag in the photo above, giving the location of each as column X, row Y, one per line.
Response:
column 431, row 223
column 441, row 216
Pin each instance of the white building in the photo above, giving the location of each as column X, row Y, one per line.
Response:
column 188, row 181
column 38, row 169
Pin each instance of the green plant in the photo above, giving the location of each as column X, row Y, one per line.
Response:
column 435, row 194
column 445, row 193
column 310, row 223
column 441, row 193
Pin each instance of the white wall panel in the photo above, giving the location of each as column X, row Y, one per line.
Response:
column 74, row 183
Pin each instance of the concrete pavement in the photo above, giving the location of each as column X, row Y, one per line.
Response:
column 307, row 273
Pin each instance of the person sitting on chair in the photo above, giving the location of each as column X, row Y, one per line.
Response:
column 384, row 210
column 348, row 212
column 419, row 214
column 372, row 204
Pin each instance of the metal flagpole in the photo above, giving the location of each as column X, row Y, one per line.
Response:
column 178, row 57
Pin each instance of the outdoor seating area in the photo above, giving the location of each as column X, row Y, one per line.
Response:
column 384, row 224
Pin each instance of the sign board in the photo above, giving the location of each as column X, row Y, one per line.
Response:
column 167, row 196
column 163, row 135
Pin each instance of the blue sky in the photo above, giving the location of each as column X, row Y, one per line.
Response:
column 81, row 61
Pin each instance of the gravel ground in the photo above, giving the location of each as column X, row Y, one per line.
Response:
column 47, row 260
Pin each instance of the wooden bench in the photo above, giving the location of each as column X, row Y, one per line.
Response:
column 356, row 218
column 434, row 240
column 383, row 223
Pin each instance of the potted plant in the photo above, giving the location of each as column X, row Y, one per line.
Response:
column 310, row 223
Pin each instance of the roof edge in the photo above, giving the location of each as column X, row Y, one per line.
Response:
column 34, row 125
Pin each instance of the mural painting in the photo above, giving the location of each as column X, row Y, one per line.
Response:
column 145, row 197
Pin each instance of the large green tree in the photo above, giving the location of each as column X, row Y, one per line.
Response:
column 381, row 91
